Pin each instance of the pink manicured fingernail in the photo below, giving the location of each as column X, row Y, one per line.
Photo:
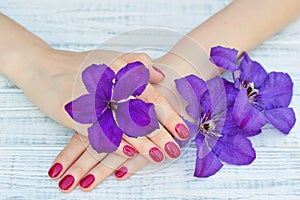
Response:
column 182, row 131
column 66, row 182
column 121, row 172
column 87, row 181
column 172, row 150
column 159, row 71
column 156, row 154
column 129, row 151
column 55, row 170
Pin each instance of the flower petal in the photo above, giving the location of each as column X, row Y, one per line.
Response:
column 245, row 115
column 281, row 118
column 224, row 57
column 235, row 149
column 98, row 79
column 214, row 101
column 252, row 71
column 207, row 163
column 136, row 118
column 83, row 110
column 231, row 92
column 191, row 88
column 130, row 80
column 105, row 135
column 277, row 90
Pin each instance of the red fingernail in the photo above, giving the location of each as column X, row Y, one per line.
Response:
column 156, row 154
column 55, row 170
column 159, row 71
column 87, row 181
column 66, row 182
column 129, row 151
column 182, row 131
column 121, row 172
column 172, row 150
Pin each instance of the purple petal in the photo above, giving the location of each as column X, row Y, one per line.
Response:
column 207, row 163
column 214, row 100
column 193, row 129
column 252, row 71
column 191, row 88
column 105, row 135
column 235, row 149
column 231, row 92
column 136, row 118
column 281, row 118
column 277, row 90
column 83, row 110
column 224, row 57
column 98, row 78
column 131, row 80
column 245, row 115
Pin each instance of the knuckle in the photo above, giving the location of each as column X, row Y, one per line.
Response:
column 144, row 57
column 154, row 97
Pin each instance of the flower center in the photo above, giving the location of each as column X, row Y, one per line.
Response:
column 251, row 90
column 112, row 105
column 208, row 126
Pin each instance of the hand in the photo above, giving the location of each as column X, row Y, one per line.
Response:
column 89, row 168
column 154, row 147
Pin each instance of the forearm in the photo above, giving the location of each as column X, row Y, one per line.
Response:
column 243, row 25
column 19, row 50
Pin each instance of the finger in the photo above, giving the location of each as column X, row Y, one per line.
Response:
column 156, row 75
column 100, row 172
column 68, row 156
column 147, row 148
column 130, row 167
column 165, row 113
column 84, row 164
column 165, row 141
column 126, row 150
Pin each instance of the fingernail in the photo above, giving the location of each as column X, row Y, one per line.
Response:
column 172, row 150
column 182, row 131
column 55, row 170
column 87, row 181
column 66, row 182
column 156, row 154
column 121, row 172
column 159, row 71
column 129, row 151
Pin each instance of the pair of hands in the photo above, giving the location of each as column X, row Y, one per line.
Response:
column 56, row 80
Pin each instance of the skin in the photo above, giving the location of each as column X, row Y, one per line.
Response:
column 45, row 68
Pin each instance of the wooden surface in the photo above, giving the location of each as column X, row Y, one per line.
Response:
column 29, row 141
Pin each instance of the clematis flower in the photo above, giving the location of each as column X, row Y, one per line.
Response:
column 216, row 135
column 109, row 107
column 263, row 97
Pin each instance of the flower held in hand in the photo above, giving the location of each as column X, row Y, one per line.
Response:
column 109, row 108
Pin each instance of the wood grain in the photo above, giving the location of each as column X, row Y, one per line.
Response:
column 29, row 141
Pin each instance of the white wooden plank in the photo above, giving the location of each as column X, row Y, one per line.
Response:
column 29, row 141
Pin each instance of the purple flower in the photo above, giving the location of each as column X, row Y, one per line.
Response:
column 110, row 108
column 263, row 97
column 216, row 135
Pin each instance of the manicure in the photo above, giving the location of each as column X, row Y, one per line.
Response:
column 156, row 154
column 121, row 172
column 66, row 182
column 129, row 151
column 172, row 150
column 159, row 71
column 87, row 181
column 55, row 170
column 182, row 131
